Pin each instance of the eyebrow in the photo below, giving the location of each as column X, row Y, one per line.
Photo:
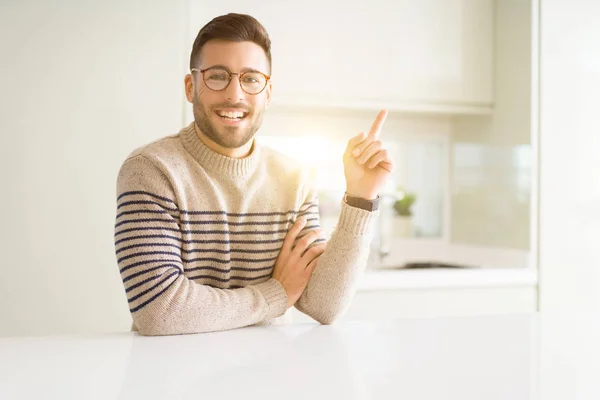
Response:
column 244, row 69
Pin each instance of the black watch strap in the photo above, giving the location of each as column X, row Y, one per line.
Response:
column 359, row 202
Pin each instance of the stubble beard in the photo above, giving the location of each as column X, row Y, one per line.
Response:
column 229, row 138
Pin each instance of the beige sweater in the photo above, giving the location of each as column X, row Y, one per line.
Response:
column 197, row 235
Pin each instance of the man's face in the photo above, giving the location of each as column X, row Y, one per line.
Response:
column 211, row 107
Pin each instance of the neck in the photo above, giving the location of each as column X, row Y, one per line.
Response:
column 238, row 152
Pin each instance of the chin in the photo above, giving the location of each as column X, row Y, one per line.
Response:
column 234, row 141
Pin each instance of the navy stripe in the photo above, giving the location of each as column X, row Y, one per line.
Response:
column 233, row 278
column 162, row 266
column 215, row 241
column 302, row 214
column 148, row 253
column 131, row 221
column 304, row 206
column 146, row 229
column 287, row 221
column 138, row 192
column 141, row 211
column 140, row 294
column 221, row 222
column 225, row 271
column 249, row 251
column 190, row 260
column 260, row 214
column 216, row 285
column 218, row 241
column 235, row 232
column 148, row 237
column 240, row 260
column 147, row 262
column 140, row 283
column 134, row 246
column 151, row 299
column 207, row 232
column 177, row 246
column 137, row 202
column 167, row 210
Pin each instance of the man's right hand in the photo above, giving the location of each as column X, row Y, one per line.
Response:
column 295, row 264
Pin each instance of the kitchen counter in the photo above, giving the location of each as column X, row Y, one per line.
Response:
column 520, row 356
column 446, row 278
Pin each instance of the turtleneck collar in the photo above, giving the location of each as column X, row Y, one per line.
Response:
column 214, row 161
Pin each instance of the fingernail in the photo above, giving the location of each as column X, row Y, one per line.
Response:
column 355, row 152
column 302, row 220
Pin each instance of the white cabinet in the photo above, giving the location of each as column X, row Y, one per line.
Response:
column 404, row 54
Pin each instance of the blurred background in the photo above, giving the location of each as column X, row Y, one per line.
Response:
column 492, row 124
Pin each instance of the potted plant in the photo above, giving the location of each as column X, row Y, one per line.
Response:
column 403, row 223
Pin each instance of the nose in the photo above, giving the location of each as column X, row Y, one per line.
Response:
column 234, row 91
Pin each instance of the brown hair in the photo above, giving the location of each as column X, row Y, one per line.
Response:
column 235, row 28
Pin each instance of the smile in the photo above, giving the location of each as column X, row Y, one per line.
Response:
column 232, row 115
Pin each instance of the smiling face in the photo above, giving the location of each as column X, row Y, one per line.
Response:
column 230, row 118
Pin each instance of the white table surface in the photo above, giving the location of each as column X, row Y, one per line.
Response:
column 508, row 357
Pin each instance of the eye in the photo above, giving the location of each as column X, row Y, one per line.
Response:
column 218, row 76
column 253, row 78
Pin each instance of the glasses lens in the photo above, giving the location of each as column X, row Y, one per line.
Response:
column 216, row 78
column 253, row 82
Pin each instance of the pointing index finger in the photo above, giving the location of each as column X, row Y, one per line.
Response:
column 378, row 124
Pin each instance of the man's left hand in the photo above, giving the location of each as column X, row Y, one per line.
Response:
column 367, row 164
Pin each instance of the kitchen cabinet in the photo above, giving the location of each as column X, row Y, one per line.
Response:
column 431, row 55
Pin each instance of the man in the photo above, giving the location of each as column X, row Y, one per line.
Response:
column 213, row 231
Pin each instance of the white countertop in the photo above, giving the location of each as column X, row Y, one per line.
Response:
column 489, row 267
column 447, row 278
column 511, row 357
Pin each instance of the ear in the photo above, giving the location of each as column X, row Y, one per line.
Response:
column 269, row 90
column 189, row 87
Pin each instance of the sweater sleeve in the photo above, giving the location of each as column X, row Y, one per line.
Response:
column 333, row 282
column 148, row 246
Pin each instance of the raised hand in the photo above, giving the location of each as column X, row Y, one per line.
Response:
column 367, row 164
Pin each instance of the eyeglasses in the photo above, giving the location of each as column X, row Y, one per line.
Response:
column 218, row 79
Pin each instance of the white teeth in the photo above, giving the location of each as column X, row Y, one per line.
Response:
column 231, row 115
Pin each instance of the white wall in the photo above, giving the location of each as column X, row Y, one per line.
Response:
column 570, row 155
column 83, row 83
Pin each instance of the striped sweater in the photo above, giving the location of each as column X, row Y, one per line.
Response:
column 197, row 235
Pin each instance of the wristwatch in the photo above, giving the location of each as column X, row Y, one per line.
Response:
column 359, row 202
